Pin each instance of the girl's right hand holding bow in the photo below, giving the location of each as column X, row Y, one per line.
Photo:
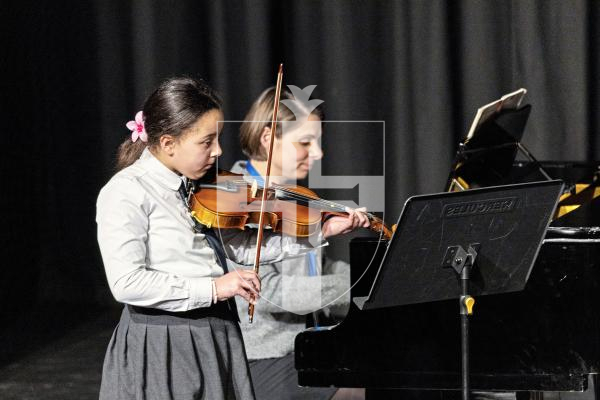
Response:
column 241, row 282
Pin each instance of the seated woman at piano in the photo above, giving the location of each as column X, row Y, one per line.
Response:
column 296, row 288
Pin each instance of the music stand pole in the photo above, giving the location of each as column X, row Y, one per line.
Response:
column 464, row 330
column 462, row 261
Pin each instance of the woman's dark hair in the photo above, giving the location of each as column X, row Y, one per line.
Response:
column 171, row 109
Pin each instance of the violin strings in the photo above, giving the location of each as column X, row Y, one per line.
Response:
column 298, row 196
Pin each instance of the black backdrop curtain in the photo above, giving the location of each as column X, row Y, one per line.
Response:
column 74, row 72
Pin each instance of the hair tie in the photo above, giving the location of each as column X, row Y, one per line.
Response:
column 137, row 128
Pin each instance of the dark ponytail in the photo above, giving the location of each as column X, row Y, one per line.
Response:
column 128, row 152
column 171, row 109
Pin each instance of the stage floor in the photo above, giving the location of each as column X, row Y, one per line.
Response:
column 67, row 368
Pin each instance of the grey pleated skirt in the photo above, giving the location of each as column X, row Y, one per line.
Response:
column 157, row 355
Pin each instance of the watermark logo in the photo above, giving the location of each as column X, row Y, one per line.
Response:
column 301, row 281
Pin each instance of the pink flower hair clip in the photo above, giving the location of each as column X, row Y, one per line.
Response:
column 137, row 128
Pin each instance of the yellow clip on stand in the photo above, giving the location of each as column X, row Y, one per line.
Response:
column 467, row 303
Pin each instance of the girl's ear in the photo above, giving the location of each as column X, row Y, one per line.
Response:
column 167, row 144
column 265, row 137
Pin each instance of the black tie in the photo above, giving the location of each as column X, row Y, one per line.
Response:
column 211, row 237
column 214, row 242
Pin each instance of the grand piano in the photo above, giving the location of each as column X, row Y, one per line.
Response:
column 543, row 339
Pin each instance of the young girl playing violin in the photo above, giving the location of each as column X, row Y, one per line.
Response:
column 178, row 337
column 293, row 288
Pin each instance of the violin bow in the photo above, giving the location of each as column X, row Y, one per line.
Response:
column 259, row 237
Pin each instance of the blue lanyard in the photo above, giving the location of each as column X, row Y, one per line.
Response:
column 312, row 264
column 254, row 173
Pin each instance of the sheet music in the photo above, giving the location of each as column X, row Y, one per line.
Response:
column 510, row 101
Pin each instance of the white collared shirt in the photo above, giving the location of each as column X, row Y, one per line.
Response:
column 152, row 256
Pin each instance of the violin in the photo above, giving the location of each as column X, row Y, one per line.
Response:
column 232, row 202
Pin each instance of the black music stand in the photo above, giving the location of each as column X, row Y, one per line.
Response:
column 462, row 244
